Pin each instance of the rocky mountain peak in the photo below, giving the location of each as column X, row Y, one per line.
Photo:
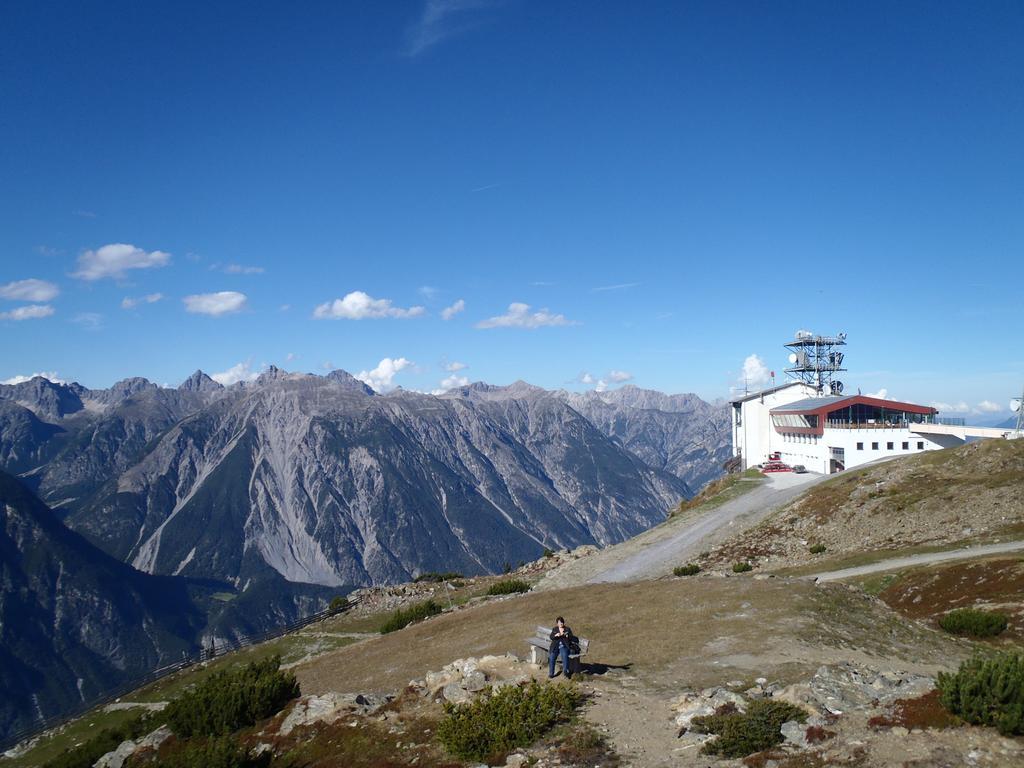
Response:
column 347, row 381
column 199, row 382
column 132, row 386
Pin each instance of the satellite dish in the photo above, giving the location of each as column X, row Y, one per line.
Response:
column 792, row 357
column 837, row 387
column 1015, row 404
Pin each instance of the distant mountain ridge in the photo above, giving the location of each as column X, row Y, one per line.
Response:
column 319, row 480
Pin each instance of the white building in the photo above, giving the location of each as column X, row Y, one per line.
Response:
column 831, row 433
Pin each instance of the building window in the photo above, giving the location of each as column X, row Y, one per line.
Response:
column 874, row 446
column 906, row 446
column 920, row 445
column 860, row 446
column 888, row 446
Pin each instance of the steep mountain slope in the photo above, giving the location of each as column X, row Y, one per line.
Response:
column 323, row 482
column 73, row 620
column 681, row 434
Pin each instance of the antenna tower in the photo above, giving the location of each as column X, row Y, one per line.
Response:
column 815, row 360
column 1017, row 406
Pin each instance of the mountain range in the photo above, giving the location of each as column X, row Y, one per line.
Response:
column 278, row 493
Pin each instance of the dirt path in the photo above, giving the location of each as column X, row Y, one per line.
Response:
column 923, row 559
column 655, row 552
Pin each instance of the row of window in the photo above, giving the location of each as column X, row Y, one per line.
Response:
column 889, row 446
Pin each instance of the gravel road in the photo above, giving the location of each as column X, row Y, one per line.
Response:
column 923, row 559
column 654, row 553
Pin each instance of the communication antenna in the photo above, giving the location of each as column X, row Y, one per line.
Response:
column 815, row 360
column 1017, row 406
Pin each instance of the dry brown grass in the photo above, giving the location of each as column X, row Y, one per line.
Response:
column 668, row 634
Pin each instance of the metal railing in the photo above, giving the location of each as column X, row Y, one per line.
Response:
column 205, row 654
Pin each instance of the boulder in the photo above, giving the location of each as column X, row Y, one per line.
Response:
column 795, row 733
column 329, row 707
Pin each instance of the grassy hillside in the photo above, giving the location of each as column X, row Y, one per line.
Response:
column 936, row 500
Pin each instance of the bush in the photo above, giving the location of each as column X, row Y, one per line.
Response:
column 741, row 567
column 974, row 623
column 232, row 699
column 500, row 721
column 548, row 552
column 987, row 692
column 339, row 603
column 744, row 734
column 221, row 752
column 403, row 617
column 817, row 549
column 508, row 587
column 436, row 578
column 686, row 570
column 85, row 755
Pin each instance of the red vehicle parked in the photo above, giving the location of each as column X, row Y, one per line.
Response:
column 775, row 466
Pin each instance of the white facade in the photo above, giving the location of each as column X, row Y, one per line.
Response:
column 755, row 436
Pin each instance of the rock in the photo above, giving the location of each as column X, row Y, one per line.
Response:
column 762, row 681
column 515, row 760
column 456, row 694
column 474, row 682
column 330, row 707
column 689, row 706
column 795, row 733
column 899, row 730
column 155, row 739
column 118, row 757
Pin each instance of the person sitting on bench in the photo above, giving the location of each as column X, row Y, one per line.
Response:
column 561, row 640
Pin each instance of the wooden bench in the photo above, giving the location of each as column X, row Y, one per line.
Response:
column 540, row 643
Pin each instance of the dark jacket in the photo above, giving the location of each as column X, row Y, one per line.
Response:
column 564, row 639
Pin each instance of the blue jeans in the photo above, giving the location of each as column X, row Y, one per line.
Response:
column 564, row 653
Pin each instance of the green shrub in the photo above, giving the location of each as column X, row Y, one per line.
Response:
column 817, row 549
column 221, row 752
column 499, row 721
column 686, row 570
column 744, row 734
column 974, row 623
column 741, row 567
column 548, row 552
column 437, row 578
column 508, row 587
column 232, row 699
column 339, row 603
column 85, row 755
column 403, row 617
column 987, row 692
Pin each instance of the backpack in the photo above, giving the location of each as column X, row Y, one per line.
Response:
column 574, row 646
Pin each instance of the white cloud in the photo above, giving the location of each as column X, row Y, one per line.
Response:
column 455, row 366
column 51, row 375
column 427, row 291
column 235, row 374
column 616, row 287
column 450, row 382
column 586, row 378
column 987, row 406
column 290, row 356
column 382, row 377
column 519, row 316
column 28, row 312
column 241, row 269
column 619, row 376
column 358, row 305
column 91, row 321
column 128, row 302
column 755, row 373
column 114, row 259
column 449, row 312
column 32, row 289
column 215, row 304
column 882, row 394
column 441, row 19
column 960, row 407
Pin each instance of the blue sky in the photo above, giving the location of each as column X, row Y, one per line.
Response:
column 225, row 186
